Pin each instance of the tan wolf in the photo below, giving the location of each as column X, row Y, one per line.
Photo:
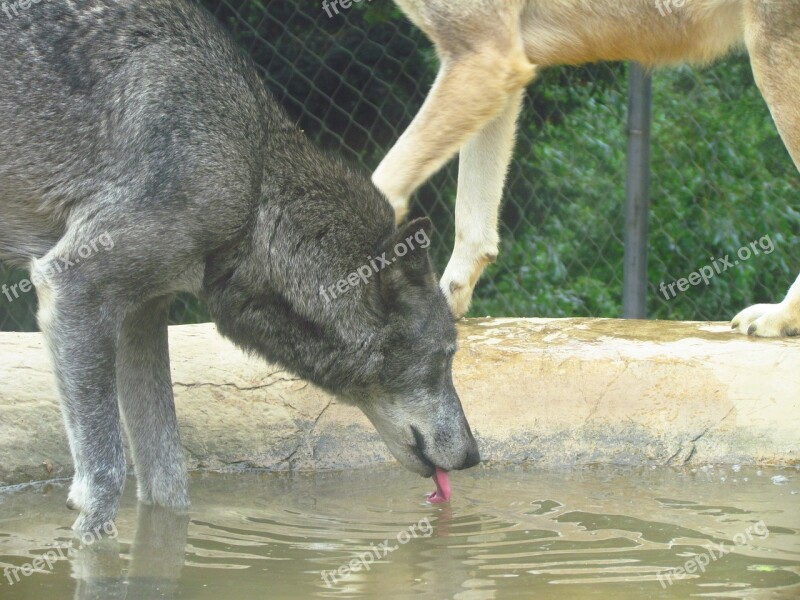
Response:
column 491, row 49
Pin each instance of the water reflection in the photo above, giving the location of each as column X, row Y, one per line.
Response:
column 509, row 533
column 157, row 556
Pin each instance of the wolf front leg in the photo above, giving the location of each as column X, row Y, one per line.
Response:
column 482, row 169
column 80, row 326
column 772, row 320
column 472, row 88
column 148, row 407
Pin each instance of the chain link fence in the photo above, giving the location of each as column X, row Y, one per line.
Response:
column 720, row 177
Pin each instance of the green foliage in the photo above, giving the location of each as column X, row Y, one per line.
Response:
column 19, row 314
column 721, row 178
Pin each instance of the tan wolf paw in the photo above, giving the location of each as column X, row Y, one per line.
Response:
column 768, row 320
column 462, row 274
column 458, row 294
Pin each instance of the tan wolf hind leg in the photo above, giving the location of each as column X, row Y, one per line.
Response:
column 773, row 39
column 472, row 87
column 482, row 169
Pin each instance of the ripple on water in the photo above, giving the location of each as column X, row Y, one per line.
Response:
column 508, row 533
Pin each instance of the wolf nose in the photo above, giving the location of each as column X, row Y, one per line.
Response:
column 473, row 456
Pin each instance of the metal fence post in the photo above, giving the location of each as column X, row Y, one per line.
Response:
column 634, row 294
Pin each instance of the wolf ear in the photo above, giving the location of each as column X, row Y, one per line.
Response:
column 409, row 260
column 413, row 240
column 412, row 227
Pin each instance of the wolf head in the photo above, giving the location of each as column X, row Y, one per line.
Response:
column 412, row 402
column 350, row 303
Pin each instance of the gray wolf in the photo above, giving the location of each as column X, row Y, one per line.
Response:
column 489, row 51
column 140, row 120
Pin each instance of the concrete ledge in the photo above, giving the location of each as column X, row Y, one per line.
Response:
column 565, row 391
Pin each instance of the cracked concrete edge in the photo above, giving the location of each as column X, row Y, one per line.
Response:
column 547, row 391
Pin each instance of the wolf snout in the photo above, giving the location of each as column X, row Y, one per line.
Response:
column 473, row 456
column 446, row 452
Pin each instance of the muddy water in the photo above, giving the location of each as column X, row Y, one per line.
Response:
column 508, row 533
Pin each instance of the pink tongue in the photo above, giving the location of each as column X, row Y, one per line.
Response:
column 442, row 493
